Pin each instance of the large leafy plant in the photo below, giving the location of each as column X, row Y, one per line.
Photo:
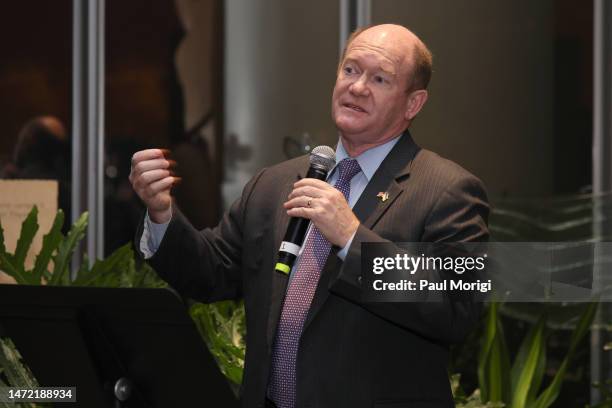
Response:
column 221, row 325
column 518, row 384
column 569, row 218
column 52, row 263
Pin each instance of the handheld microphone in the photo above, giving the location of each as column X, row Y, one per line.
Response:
column 322, row 160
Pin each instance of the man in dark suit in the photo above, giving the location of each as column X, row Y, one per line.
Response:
column 311, row 339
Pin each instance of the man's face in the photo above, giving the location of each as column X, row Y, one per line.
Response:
column 370, row 98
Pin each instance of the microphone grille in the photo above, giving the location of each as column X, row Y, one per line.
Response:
column 323, row 156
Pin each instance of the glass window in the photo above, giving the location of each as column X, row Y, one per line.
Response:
column 162, row 91
column 35, row 118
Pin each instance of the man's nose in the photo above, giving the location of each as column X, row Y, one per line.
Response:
column 360, row 87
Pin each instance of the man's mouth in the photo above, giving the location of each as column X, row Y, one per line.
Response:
column 356, row 108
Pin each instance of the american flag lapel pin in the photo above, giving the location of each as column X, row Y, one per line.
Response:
column 384, row 196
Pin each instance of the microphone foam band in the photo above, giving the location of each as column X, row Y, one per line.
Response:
column 323, row 156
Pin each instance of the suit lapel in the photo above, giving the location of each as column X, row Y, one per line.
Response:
column 371, row 206
column 369, row 209
column 395, row 167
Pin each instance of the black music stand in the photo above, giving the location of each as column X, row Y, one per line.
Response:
column 91, row 338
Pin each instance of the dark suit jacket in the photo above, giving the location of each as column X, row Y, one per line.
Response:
column 351, row 354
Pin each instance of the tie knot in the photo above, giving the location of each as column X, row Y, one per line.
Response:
column 348, row 168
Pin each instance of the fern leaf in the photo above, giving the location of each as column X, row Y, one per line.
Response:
column 50, row 243
column 29, row 227
column 66, row 249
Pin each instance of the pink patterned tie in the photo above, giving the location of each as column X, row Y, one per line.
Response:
column 299, row 295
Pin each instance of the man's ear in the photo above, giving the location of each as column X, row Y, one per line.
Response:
column 415, row 102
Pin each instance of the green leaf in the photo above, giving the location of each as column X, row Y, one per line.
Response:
column 7, row 265
column 538, row 376
column 150, row 279
column 50, row 243
column 65, row 250
column 485, row 350
column 527, row 366
column 234, row 374
column 583, row 326
column 499, row 378
column 222, row 328
column 84, row 268
column 550, row 394
column 494, row 360
column 107, row 272
column 29, row 227
column 458, row 392
column 16, row 373
column 14, row 265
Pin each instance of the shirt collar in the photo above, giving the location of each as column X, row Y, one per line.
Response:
column 370, row 160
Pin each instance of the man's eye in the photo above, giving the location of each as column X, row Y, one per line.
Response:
column 379, row 80
column 348, row 70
